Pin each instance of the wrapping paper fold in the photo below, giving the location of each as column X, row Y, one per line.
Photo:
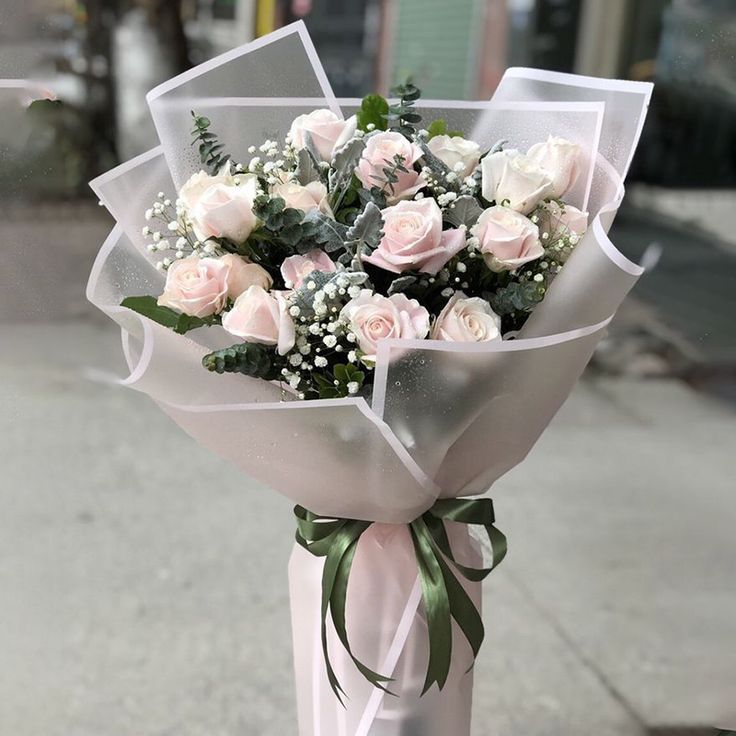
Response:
column 446, row 419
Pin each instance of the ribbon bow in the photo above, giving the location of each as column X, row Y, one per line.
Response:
column 444, row 596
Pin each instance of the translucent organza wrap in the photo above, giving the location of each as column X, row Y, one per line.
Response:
column 446, row 419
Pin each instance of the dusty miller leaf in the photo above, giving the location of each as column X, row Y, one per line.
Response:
column 342, row 168
column 466, row 211
column 307, row 169
column 401, row 284
column 366, row 230
column 439, row 168
column 498, row 146
column 327, row 232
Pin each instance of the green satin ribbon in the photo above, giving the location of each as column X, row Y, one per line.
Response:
column 443, row 594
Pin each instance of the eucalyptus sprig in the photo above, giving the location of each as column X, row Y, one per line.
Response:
column 389, row 173
column 402, row 116
column 210, row 149
column 250, row 359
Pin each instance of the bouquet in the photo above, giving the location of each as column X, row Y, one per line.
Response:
column 374, row 306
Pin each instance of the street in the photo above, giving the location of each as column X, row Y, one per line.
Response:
column 136, row 602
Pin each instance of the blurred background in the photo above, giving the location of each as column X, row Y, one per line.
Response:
column 132, row 601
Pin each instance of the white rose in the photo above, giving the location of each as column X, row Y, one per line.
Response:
column 313, row 196
column 198, row 183
column 456, row 150
column 561, row 160
column 566, row 220
column 514, row 179
column 467, row 319
column 261, row 317
column 224, row 211
column 507, row 238
column 327, row 131
column 243, row 274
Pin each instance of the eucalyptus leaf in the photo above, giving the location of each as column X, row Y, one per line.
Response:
column 465, row 211
column 250, row 359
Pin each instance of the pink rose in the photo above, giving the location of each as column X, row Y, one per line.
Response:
column 225, row 211
column 557, row 220
column 261, row 317
column 295, row 269
column 374, row 317
column 196, row 286
column 379, row 153
column 313, row 196
column 507, row 238
column 328, row 132
column 467, row 319
column 242, row 274
column 561, row 160
column 413, row 238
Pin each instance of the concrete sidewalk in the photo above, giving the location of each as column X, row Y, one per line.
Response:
column 134, row 604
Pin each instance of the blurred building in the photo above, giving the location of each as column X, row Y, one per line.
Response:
column 103, row 55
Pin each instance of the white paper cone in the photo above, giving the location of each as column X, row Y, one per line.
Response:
column 388, row 633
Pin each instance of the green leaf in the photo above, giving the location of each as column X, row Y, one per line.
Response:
column 402, row 116
column 250, row 359
column 210, row 151
column 373, row 110
column 341, row 373
column 149, row 307
column 437, row 127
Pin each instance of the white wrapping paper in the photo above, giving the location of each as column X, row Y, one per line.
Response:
column 446, row 420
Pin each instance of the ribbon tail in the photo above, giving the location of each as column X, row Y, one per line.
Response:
column 338, row 600
column 436, row 604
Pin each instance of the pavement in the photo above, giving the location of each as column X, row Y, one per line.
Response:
column 135, row 603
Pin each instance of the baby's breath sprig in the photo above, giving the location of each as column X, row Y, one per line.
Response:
column 324, row 343
column 176, row 237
